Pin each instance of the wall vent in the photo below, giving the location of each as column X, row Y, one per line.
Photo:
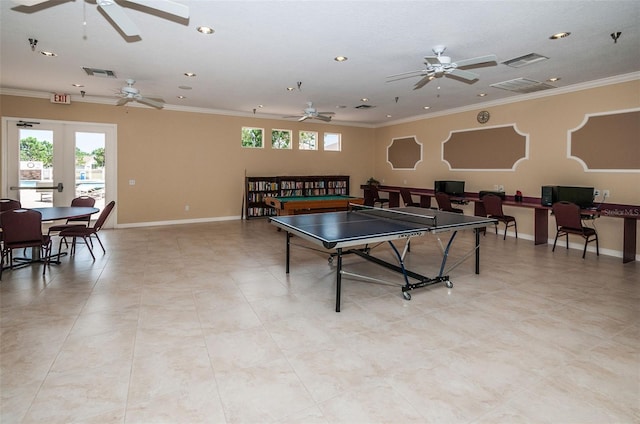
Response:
column 102, row 73
column 364, row 107
column 522, row 85
column 525, row 60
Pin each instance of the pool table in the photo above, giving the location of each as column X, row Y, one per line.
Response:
column 294, row 205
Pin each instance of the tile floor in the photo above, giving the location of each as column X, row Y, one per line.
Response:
column 200, row 324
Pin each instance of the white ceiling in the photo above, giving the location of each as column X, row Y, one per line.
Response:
column 260, row 48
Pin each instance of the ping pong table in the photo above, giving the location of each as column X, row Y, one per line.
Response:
column 354, row 231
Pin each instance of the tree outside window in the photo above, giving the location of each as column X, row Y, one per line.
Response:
column 308, row 140
column 281, row 139
column 252, row 137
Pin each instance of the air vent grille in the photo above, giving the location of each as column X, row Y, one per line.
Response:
column 525, row 60
column 102, row 73
column 364, row 107
column 522, row 85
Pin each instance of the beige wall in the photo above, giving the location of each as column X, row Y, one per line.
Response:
column 547, row 121
column 180, row 158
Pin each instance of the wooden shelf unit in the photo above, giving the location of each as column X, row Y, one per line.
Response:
column 256, row 188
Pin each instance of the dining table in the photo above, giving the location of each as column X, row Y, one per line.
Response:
column 56, row 213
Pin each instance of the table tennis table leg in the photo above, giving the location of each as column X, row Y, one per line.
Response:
column 477, row 231
column 338, row 279
column 288, row 249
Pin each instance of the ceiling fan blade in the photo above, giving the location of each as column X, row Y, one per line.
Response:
column 431, row 60
column 166, row 6
column 150, row 102
column 302, row 118
column 291, row 116
column 469, row 76
column 28, row 3
column 123, row 101
column 423, row 82
column 326, row 113
column 323, row 118
column 477, row 60
column 406, row 73
column 117, row 14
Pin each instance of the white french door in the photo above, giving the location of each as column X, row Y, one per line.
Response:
column 48, row 163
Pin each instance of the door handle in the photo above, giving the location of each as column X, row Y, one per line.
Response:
column 58, row 187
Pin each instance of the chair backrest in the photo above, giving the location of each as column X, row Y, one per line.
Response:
column 567, row 215
column 374, row 192
column 9, row 204
column 406, row 196
column 492, row 205
column 21, row 225
column 83, row 201
column 104, row 215
column 369, row 200
column 444, row 203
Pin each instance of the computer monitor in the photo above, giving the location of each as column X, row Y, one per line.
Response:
column 452, row 188
column 581, row 196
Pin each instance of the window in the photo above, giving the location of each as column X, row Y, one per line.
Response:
column 281, row 139
column 332, row 142
column 252, row 137
column 308, row 140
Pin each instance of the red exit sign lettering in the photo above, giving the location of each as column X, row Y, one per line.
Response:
column 61, row 98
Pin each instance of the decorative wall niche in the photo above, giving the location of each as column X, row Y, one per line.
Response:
column 608, row 142
column 486, row 149
column 404, row 153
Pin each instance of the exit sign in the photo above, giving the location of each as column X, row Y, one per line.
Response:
column 61, row 98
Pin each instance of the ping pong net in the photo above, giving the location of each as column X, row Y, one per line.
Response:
column 422, row 219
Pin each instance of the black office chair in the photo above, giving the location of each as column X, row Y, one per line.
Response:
column 444, row 203
column 569, row 221
column 406, row 197
column 493, row 208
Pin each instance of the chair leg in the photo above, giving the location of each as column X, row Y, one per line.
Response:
column 597, row 247
column 89, row 247
column 506, row 225
column 555, row 241
column 99, row 241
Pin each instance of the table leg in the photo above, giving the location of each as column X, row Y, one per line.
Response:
column 477, row 231
column 288, row 249
column 338, row 280
column 541, row 226
column 394, row 199
column 629, row 243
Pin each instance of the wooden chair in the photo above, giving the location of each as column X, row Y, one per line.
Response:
column 493, row 207
column 86, row 233
column 21, row 229
column 444, row 203
column 569, row 221
column 406, row 197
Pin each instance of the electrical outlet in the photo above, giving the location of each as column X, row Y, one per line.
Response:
column 186, row 208
column 596, row 192
column 606, row 193
column 500, row 187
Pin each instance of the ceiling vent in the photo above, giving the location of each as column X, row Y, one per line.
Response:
column 527, row 59
column 102, row 73
column 364, row 107
column 522, row 85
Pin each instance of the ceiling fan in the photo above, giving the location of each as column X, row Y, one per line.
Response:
column 311, row 112
column 116, row 13
column 131, row 94
column 439, row 65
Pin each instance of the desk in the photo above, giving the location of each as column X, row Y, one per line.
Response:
column 365, row 225
column 294, row 205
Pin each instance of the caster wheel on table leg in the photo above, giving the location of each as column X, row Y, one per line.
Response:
column 406, row 295
column 449, row 284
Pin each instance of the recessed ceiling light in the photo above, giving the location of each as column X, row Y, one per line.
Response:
column 181, row 97
column 554, row 79
column 340, row 58
column 290, row 88
column 189, row 74
column 482, row 94
column 341, row 107
column 77, row 85
column 48, row 54
column 388, row 116
column 560, row 35
column 364, row 99
column 426, row 107
column 205, row 30
column 260, row 106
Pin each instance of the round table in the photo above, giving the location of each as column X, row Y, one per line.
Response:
column 65, row 212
